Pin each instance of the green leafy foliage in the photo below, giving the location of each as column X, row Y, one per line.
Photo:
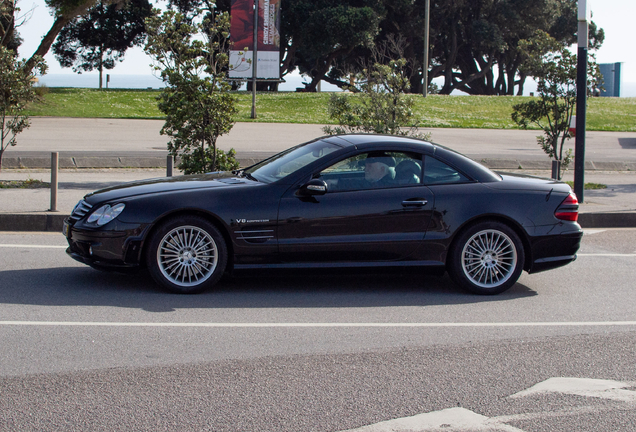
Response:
column 318, row 32
column 100, row 38
column 554, row 68
column 16, row 90
column 380, row 105
column 191, row 54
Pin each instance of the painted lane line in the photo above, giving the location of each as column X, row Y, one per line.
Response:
column 24, row 246
column 606, row 255
column 315, row 324
column 593, row 231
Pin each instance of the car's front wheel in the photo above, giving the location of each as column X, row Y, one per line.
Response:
column 186, row 255
column 487, row 258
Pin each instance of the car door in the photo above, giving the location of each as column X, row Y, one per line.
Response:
column 356, row 221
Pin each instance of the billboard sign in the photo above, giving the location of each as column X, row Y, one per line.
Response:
column 242, row 38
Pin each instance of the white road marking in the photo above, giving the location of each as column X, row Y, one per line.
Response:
column 451, row 419
column 25, row 246
column 461, row 419
column 603, row 389
column 315, row 324
column 606, row 255
column 593, row 231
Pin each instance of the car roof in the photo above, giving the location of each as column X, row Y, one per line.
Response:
column 373, row 141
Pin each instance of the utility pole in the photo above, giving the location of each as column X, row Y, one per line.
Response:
column 254, row 59
column 427, row 7
column 581, row 101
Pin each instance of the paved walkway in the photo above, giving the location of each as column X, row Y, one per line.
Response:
column 98, row 145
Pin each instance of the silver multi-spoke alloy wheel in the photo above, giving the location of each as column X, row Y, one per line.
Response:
column 489, row 258
column 187, row 256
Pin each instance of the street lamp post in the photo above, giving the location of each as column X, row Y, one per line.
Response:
column 427, row 8
column 581, row 101
column 254, row 59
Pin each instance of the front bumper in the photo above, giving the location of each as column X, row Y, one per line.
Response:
column 105, row 249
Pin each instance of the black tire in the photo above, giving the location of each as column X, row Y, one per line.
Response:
column 193, row 258
column 487, row 258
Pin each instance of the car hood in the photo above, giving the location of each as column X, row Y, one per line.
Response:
column 167, row 184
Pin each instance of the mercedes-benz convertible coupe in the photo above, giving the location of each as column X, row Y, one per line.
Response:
column 340, row 201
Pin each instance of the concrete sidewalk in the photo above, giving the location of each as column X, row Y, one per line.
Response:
column 96, row 153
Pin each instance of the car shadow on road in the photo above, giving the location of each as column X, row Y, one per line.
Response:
column 80, row 286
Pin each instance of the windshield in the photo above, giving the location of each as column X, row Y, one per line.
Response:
column 283, row 164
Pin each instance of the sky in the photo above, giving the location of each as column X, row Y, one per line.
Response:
column 616, row 17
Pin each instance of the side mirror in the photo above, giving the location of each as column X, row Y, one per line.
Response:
column 313, row 187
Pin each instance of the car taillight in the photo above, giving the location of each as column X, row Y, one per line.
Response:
column 569, row 209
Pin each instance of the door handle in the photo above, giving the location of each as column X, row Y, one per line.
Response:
column 414, row 203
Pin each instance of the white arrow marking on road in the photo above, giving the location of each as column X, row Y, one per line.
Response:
column 461, row 419
column 602, row 389
column 447, row 420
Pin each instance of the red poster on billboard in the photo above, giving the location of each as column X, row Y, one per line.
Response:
column 242, row 37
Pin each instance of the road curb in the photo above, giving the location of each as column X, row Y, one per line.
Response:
column 44, row 221
column 32, row 221
column 608, row 220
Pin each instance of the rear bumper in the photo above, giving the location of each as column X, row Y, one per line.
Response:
column 554, row 251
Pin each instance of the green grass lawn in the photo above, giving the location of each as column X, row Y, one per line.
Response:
column 603, row 114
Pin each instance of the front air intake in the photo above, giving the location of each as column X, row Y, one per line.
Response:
column 80, row 210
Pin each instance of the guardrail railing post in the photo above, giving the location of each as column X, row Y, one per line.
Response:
column 54, row 171
column 169, row 165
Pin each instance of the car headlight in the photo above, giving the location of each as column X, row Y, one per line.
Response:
column 105, row 214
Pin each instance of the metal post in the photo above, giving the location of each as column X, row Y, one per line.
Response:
column 54, row 169
column 427, row 30
column 581, row 102
column 254, row 59
column 556, row 170
column 169, row 165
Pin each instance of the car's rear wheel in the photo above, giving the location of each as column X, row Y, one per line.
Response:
column 186, row 255
column 487, row 258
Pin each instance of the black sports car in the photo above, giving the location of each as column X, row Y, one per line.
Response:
column 340, row 201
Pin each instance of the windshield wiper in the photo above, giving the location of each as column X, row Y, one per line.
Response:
column 250, row 176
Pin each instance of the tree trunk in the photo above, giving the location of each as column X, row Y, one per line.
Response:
column 55, row 29
column 101, row 65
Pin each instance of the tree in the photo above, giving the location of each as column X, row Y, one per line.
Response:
column 380, row 106
column 191, row 54
column 64, row 11
column 554, row 67
column 316, row 33
column 16, row 90
column 476, row 43
column 101, row 37
column 9, row 37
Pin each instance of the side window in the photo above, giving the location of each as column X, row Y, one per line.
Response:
column 437, row 172
column 374, row 170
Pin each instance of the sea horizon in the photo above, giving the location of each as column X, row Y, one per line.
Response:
column 149, row 81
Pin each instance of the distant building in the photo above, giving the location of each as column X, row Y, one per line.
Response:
column 611, row 79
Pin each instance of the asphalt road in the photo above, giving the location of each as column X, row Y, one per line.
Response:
column 85, row 350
